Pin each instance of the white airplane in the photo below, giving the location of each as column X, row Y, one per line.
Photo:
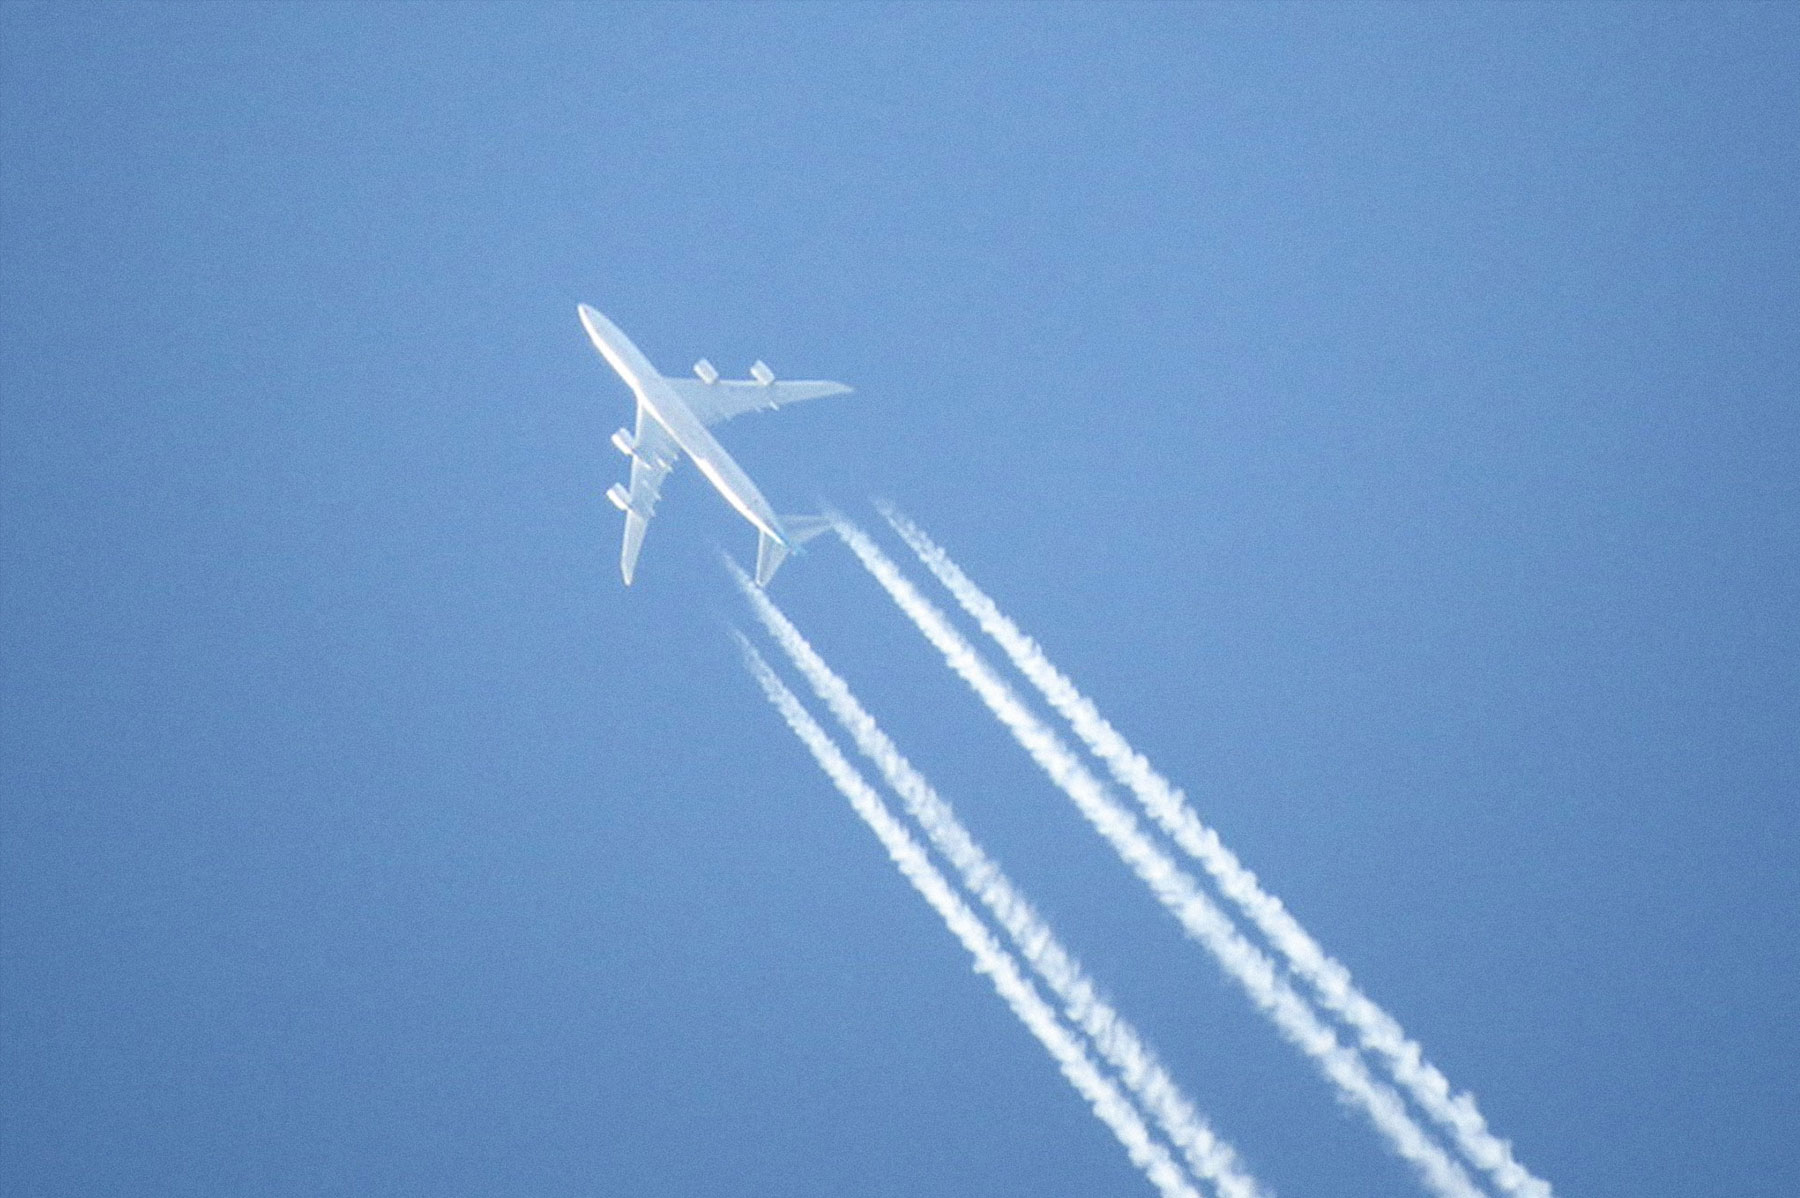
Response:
column 672, row 416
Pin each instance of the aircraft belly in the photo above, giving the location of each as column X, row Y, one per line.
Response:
column 710, row 457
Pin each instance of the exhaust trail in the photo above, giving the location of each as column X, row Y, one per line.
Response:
column 1105, row 1099
column 1378, row 1032
column 1177, row 890
column 1118, row 1043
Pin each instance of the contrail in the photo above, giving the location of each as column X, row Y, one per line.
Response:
column 1174, row 887
column 1378, row 1032
column 1118, row 1043
column 1111, row 1106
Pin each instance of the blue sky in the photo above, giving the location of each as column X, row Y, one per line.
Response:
column 1386, row 413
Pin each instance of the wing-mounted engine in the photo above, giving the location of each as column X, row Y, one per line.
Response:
column 621, row 499
column 761, row 373
column 628, row 445
column 706, row 372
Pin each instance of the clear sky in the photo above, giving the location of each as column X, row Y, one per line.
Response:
column 1387, row 413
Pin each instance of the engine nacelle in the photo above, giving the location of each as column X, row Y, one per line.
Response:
column 621, row 499
column 625, row 443
column 761, row 373
column 706, row 371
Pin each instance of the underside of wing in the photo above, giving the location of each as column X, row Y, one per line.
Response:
column 635, row 527
column 721, row 400
column 653, row 454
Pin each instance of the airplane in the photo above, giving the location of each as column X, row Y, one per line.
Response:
column 672, row 419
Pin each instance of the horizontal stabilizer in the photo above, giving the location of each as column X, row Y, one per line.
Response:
column 770, row 553
column 801, row 529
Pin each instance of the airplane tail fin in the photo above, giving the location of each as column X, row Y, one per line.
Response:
column 770, row 553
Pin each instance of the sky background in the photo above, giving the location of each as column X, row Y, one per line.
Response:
column 1386, row 413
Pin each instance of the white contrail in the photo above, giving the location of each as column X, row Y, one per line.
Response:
column 1210, row 1158
column 1378, row 1032
column 1102, row 1095
column 1174, row 887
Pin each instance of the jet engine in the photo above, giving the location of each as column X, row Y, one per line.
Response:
column 620, row 498
column 761, row 373
column 625, row 443
column 706, row 371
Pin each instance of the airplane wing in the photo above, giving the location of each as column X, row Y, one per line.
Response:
column 655, row 454
column 720, row 401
